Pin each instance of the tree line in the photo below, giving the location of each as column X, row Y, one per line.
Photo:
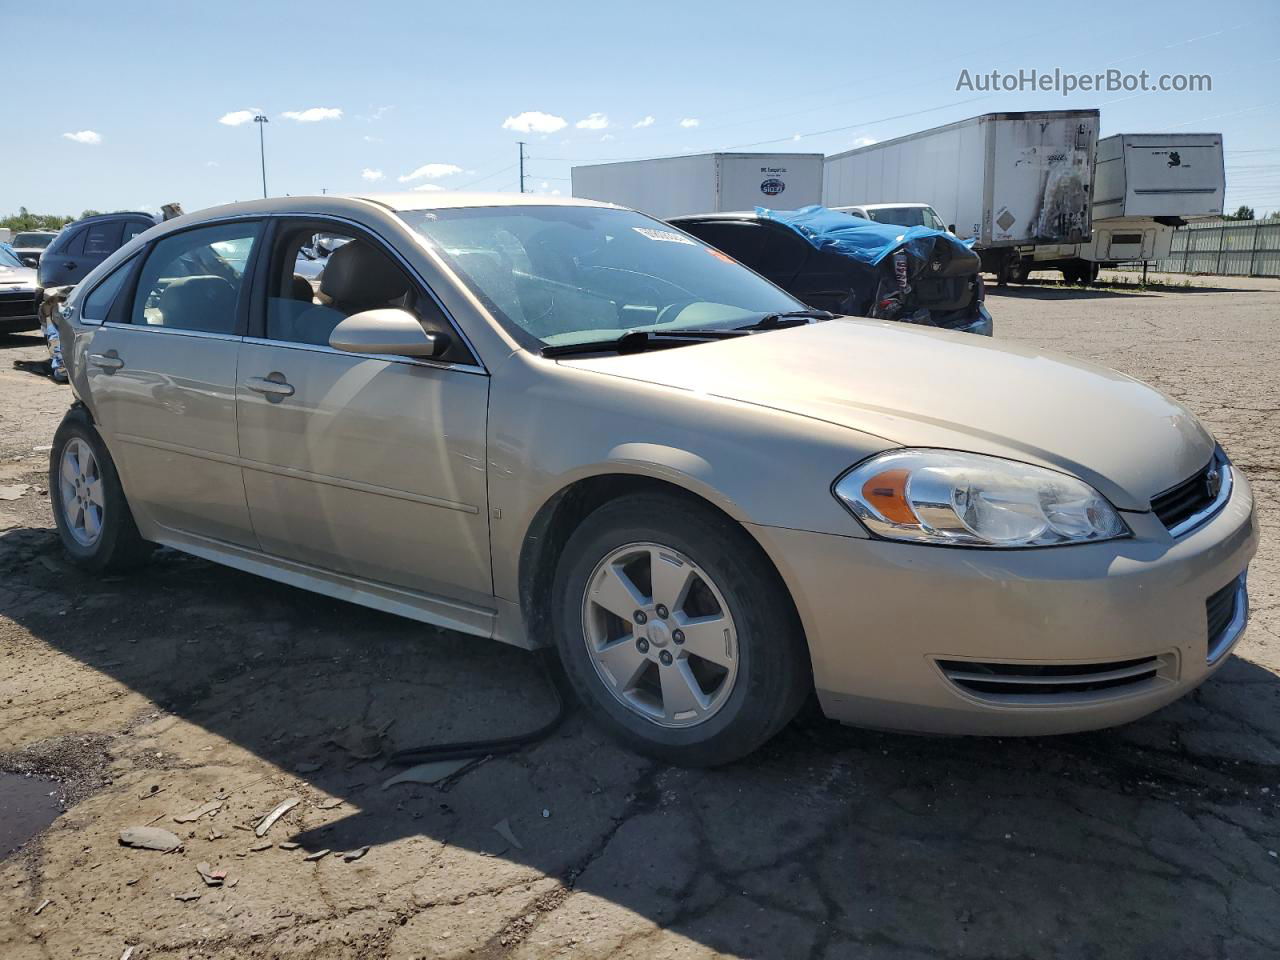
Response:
column 24, row 219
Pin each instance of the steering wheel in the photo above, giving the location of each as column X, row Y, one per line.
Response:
column 671, row 311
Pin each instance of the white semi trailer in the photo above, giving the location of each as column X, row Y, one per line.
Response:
column 1145, row 185
column 1011, row 181
column 704, row 183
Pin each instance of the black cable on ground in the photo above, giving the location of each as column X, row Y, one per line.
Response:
column 465, row 750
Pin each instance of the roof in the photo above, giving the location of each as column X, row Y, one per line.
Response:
column 140, row 214
column 439, row 199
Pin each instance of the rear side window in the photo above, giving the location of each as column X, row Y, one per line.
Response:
column 102, row 238
column 193, row 280
column 132, row 228
column 69, row 244
column 98, row 303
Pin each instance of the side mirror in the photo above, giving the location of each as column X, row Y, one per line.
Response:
column 391, row 331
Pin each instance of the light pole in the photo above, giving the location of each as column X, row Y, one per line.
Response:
column 261, row 121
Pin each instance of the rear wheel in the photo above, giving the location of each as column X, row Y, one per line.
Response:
column 676, row 631
column 89, row 507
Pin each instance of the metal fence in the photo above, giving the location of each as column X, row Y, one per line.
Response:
column 1233, row 248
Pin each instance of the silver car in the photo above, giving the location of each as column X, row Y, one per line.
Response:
column 550, row 421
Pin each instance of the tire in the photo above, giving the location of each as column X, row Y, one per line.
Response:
column 1019, row 270
column 98, row 532
column 634, row 676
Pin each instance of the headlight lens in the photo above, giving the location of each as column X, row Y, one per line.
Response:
column 967, row 499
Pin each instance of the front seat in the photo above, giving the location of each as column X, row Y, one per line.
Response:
column 199, row 303
column 356, row 277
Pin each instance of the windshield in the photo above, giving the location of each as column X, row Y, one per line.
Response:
column 32, row 241
column 901, row 216
column 7, row 259
column 565, row 274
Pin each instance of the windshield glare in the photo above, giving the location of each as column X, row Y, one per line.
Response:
column 566, row 274
column 900, row 216
column 7, row 259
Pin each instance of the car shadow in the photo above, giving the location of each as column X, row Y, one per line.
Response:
column 12, row 340
column 1051, row 290
column 826, row 841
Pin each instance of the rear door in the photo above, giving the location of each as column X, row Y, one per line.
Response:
column 162, row 375
column 60, row 263
column 369, row 466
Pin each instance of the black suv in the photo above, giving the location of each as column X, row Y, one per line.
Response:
column 83, row 245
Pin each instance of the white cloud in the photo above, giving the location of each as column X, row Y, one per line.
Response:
column 423, row 187
column 368, row 139
column 690, row 122
column 607, row 136
column 371, row 175
column 795, row 136
column 534, row 121
column 211, row 163
column 313, row 114
column 555, row 192
column 381, row 112
column 865, row 141
column 593, row 121
column 237, row 117
column 544, row 185
column 431, row 171
column 646, row 122
column 84, row 136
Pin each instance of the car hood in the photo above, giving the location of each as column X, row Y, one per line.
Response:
column 916, row 386
column 12, row 276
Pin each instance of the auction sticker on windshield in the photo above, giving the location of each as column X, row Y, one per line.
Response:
column 664, row 235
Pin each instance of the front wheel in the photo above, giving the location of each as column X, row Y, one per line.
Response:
column 89, row 507
column 676, row 632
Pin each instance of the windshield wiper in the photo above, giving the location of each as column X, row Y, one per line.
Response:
column 792, row 318
column 638, row 341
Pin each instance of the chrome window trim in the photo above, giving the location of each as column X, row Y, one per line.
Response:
column 1220, row 501
column 413, row 272
column 1220, row 647
column 388, row 357
column 171, row 331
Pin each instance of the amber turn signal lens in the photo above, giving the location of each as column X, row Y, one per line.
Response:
column 887, row 492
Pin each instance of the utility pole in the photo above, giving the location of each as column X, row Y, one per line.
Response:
column 521, row 144
column 261, row 121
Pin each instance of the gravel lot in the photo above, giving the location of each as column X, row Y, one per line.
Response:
column 148, row 697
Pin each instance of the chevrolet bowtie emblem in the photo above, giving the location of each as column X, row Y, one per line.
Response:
column 1213, row 481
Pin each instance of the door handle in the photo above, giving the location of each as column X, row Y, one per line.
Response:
column 274, row 390
column 70, row 266
column 106, row 361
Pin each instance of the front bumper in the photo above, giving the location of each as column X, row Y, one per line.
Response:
column 894, row 627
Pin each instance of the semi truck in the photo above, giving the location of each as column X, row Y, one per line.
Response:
column 1010, row 181
column 704, row 183
column 1145, row 185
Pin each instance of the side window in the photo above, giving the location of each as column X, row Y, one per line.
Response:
column 192, row 280
column 102, row 238
column 98, row 303
column 741, row 240
column 132, row 228
column 320, row 276
column 74, row 246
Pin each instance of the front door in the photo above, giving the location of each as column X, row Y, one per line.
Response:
column 369, row 466
column 162, row 372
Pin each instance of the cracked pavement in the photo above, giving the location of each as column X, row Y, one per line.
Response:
column 147, row 696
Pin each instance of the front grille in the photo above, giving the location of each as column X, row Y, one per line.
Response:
column 1220, row 615
column 21, row 304
column 1026, row 682
column 1191, row 496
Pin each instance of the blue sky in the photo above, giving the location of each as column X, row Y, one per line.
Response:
column 423, row 90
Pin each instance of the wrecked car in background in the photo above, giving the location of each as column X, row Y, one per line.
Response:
column 18, row 292
column 844, row 264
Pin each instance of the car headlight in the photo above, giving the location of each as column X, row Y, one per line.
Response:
column 967, row 499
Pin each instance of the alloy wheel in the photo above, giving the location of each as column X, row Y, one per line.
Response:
column 660, row 635
column 83, row 497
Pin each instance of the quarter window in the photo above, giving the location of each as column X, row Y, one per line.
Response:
column 98, row 303
column 192, row 280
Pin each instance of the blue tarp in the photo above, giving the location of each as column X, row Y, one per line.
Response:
column 864, row 240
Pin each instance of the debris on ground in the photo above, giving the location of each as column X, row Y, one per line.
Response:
column 150, row 838
column 13, row 491
column 40, row 908
column 289, row 845
column 331, row 803
column 259, row 847
column 355, row 854
column 128, row 952
column 213, row 806
column 269, row 820
column 187, row 897
column 210, row 876
column 427, row 772
column 503, row 827
column 318, row 855
column 362, row 743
